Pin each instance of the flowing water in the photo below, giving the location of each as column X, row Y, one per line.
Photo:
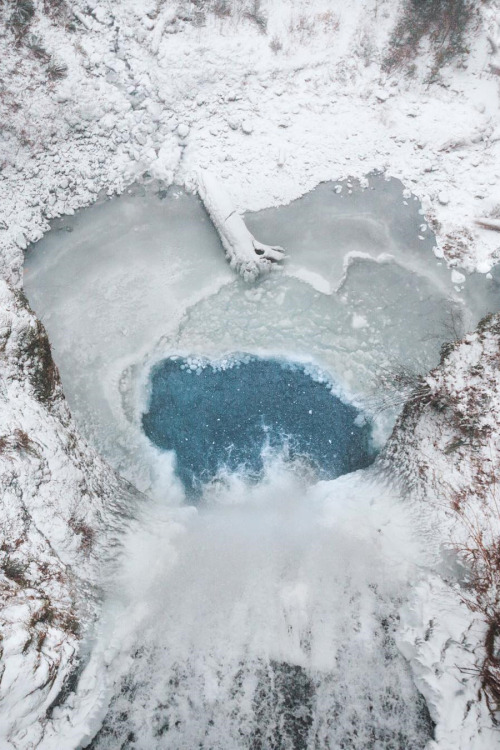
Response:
column 257, row 601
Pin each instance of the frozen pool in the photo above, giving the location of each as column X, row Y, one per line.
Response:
column 135, row 279
column 265, row 617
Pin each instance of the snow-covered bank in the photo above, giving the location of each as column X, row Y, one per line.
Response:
column 169, row 92
column 62, row 511
column 446, row 448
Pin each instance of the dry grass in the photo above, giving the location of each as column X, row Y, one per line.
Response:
column 481, row 591
column 15, row 571
column 397, row 386
column 85, row 532
column 36, row 356
column 17, row 442
column 305, row 26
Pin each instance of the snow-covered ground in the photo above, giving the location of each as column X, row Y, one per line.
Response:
column 150, row 90
column 170, row 90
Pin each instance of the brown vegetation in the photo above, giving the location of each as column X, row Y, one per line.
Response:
column 481, row 592
column 36, row 357
column 442, row 23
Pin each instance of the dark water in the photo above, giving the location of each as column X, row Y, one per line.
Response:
column 223, row 419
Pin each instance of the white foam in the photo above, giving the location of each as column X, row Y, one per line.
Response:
column 273, row 572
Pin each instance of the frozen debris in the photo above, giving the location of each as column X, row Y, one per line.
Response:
column 246, row 255
column 457, row 277
column 359, row 321
column 477, row 136
column 493, row 224
column 281, row 158
column 167, row 160
column 443, row 198
column 20, row 240
column 183, row 130
column 247, row 127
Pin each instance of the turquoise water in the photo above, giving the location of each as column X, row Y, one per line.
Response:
column 225, row 419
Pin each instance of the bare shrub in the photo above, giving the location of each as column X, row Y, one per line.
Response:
column 454, row 325
column 255, row 13
column 302, row 26
column 47, row 615
column 57, row 69
column 199, row 18
column 399, row 385
column 17, row 442
column 444, row 23
column 85, row 532
column 15, row 571
column 57, row 10
column 305, row 26
column 21, row 16
column 221, row 8
column 327, row 21
column 23, row 443
column 35, row 44
column 36, row 357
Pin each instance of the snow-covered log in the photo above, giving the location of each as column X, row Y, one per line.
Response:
column 245, row 254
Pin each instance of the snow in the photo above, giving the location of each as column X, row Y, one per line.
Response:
column 438, row 133
column 148, row 244
column 164, row 95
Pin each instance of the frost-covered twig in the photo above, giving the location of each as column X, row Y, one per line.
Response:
column 245, row 254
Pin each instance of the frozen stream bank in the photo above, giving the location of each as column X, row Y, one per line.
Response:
column 265, row 618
